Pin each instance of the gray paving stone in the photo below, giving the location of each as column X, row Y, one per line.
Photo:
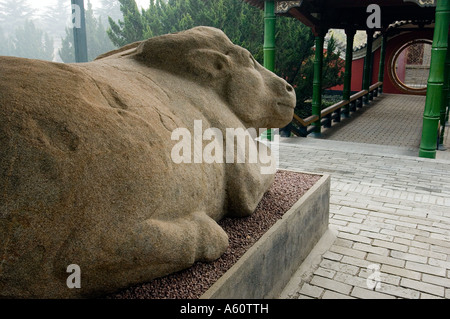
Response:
column 407, row 256
column 423, row 286
column 371, row 249
column 428, row 269
column 439, row 281
column 323, row 272
column 399, row 291
column 362, row 293
column 311, row 291
column 339, row 266
column 389, row 207
column 334, row 295
column 386, row 260
column 330, row 284
column 390, row 245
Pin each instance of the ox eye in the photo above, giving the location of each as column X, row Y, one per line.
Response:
column 219, row 66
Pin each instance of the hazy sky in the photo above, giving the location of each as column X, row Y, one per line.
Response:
column 95, row 3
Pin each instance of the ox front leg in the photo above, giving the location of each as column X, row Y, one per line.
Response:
column 196, row 237
column 245, row 188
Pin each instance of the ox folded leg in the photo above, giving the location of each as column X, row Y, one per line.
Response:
column 195, row 237
column 140, row 253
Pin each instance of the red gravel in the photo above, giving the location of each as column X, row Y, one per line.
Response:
column 191, row 283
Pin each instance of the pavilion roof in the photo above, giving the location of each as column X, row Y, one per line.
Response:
column 340, row 14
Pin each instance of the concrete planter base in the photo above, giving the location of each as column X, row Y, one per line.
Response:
column 266, row 268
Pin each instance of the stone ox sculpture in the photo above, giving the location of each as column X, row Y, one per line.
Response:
column 86, row 175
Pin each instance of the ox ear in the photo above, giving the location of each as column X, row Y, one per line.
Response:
column 209, row 64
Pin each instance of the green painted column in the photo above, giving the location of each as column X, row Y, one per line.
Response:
column 79, row 31
column 348, row 70
column 269, row 35
column 368, row 64
column 317, row 84
column 445, row 93
column 269, row 42
column 434, row 99
column 382, row 61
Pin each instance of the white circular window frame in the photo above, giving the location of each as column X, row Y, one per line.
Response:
column 393, row 72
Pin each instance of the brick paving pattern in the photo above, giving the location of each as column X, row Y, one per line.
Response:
column 390, row 211
column 392, row 119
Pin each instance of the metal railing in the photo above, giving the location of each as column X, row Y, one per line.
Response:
column 334, row 112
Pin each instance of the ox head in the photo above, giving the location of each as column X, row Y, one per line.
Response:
column 205, row 55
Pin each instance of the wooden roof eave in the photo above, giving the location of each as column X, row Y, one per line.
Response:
column 306, row 18
column 341, row 14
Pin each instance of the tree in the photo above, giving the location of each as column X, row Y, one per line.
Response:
column 97, row 39
column 109, row 9
column 14, row 13
column 333, row 65
column 31, row 42
column 57, row 18
column 5, row 44
column 67, row 50
column 294, row 43
column 131, row 29
column 233, row 16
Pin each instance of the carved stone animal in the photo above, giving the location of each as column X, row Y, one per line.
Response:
column 86, row 175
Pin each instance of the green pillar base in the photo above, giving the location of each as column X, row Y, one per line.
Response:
column 427, row 154
column 267, row 135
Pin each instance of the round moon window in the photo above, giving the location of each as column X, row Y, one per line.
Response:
column 411, row 66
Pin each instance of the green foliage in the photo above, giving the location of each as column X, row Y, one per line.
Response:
column 97, row 39
column 132, row 28
column 331, row 71
column 241, row 22
column 295, row 43
column 332, row 66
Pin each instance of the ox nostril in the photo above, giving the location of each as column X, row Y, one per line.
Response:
column 289, row 88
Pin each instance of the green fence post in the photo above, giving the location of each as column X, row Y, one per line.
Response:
column 269, row 43
column 317, row 84
column 434, row 99
column 79, row 31
column 382, row 59
column 368, row 64
column 348, row 70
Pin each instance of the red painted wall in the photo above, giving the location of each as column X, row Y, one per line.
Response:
column 393, row 45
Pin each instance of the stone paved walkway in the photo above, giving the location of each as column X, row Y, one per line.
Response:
column 390, row 120
column 389, row 211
